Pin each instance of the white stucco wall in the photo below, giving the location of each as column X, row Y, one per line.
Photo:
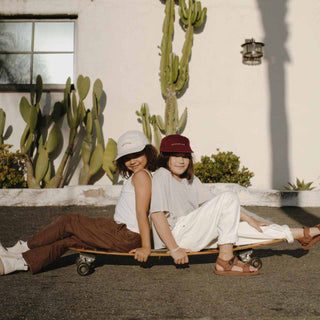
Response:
column 268, row 114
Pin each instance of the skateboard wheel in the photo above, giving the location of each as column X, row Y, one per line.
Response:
column 256, row 262
column 78, row 261
column 83, row 269
column 146, row 265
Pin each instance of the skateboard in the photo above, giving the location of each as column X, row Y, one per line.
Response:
column 86, row 259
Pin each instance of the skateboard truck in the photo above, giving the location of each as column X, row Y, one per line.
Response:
column 84, row 263
column 246, row 257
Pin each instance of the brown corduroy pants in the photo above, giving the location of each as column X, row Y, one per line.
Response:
column 76, row 230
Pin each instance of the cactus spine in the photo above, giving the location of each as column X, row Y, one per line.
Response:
column 174, row 72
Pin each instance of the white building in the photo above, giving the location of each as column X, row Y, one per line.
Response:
column 267, row 114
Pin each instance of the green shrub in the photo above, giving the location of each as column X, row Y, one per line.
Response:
column 12, row 168
column 225, row 168
column 300, row 186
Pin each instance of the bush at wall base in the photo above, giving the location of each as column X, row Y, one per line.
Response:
column 12, row 168
column 223, row 167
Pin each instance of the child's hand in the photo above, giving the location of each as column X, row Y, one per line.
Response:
column 180, row 256
column 257, row 224
column 141, row 254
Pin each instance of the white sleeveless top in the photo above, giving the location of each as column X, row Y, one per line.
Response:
column 126, row 207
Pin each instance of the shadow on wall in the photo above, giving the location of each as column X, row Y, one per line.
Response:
column 273, row 14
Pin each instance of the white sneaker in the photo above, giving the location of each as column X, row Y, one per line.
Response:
column 9, row 264
column 19, row 247
column 3, row 250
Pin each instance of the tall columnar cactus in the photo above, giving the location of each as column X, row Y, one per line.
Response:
column 2, row 124
column 144, row 119
column 174, row 72
column 156, row 132
column 149, row 122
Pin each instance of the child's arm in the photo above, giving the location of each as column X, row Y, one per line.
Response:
column 142, row 186
column 160, row 222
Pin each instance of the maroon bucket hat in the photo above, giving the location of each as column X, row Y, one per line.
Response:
column 175, row 143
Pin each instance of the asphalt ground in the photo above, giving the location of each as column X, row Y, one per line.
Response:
column 287, row 288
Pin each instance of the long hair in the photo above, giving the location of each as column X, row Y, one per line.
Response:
column 149, row 151
column 163, row 160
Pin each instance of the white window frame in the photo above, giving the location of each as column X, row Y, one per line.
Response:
column 33, row 19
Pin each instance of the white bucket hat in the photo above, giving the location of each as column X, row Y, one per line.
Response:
column 131, row 142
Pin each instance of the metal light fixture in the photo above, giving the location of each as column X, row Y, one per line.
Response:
column 252, row 52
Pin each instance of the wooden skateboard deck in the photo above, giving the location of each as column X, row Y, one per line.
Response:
column 87, row 257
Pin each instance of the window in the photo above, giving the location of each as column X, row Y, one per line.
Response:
column 33, row 46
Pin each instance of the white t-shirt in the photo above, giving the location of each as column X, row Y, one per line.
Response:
column 125, row 211
column 176, row 198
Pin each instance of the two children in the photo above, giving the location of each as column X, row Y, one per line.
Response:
column 186, row 216
column 129, row 232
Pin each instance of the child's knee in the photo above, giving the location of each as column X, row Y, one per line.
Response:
column 68, row 217
column 231, row 196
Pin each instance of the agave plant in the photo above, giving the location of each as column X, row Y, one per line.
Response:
column 299, row 186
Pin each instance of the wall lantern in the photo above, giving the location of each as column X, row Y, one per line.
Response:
column 252, row 52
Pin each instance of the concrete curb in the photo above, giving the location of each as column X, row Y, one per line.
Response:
column 104, row 195
column 270, row 198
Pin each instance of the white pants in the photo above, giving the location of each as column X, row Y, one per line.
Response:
column 217, row 222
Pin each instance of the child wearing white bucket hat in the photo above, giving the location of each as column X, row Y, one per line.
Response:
column 128, row 232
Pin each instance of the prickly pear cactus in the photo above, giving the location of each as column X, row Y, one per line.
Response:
column 42, row 134
column 30, row 112
column 109, row 155
column 75, row 110
column 36, row 149
column 174, row 72
column 92, row 160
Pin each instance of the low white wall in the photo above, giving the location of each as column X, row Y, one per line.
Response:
column 268, row 114
column 108, row 195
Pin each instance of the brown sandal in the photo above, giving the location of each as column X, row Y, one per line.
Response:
column 227, row 268
column 307, row 241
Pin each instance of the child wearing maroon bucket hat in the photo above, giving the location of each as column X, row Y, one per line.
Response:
column 187, row 217
column 175, row 143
